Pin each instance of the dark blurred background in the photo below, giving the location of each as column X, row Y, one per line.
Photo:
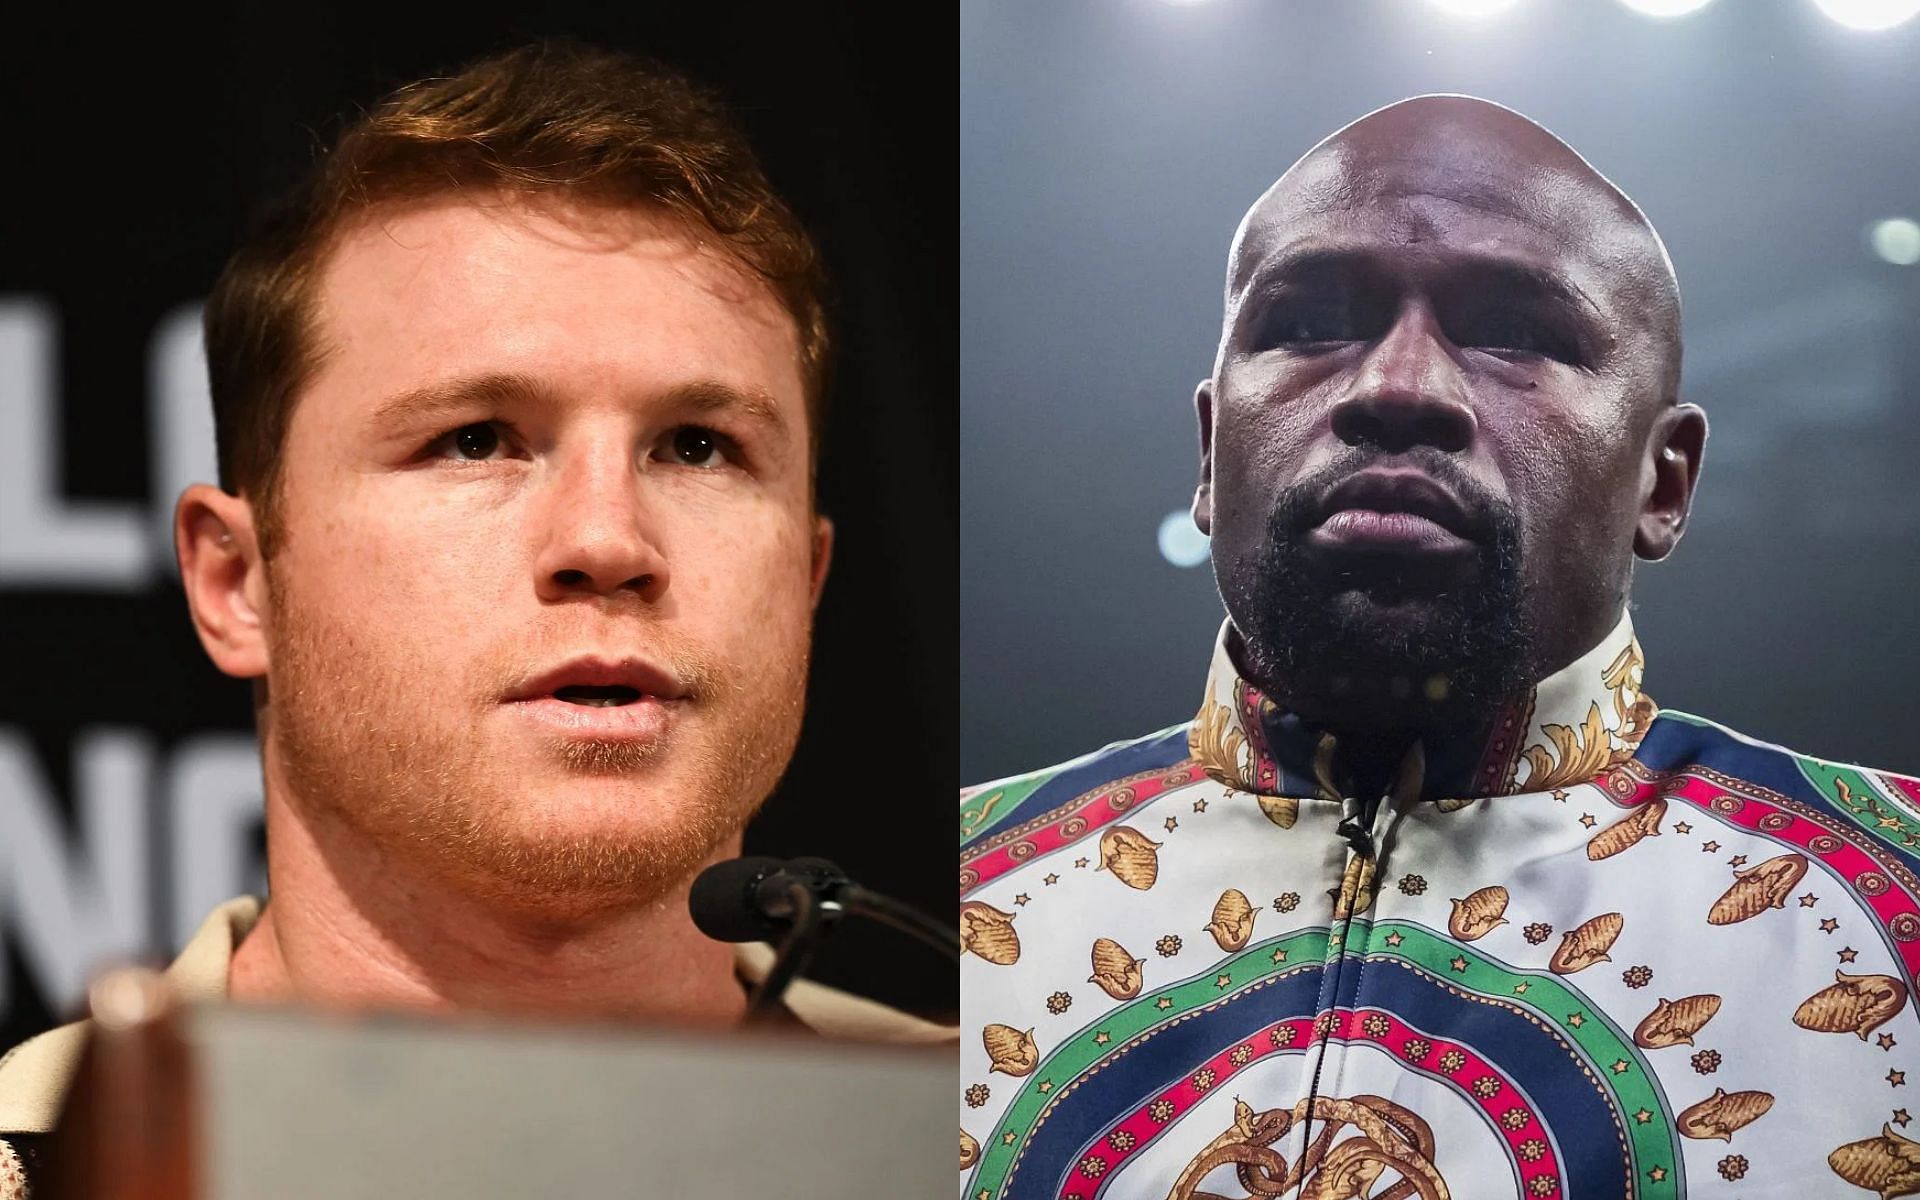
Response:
column 1109, row 148
column 129, row 794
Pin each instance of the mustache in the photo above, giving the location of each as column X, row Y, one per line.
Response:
column 1300, row 505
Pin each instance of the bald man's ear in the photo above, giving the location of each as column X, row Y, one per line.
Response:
column 1203, row 494
column 1668, row 474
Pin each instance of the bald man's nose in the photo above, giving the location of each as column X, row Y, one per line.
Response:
column 597, row 536
column 1409, row 391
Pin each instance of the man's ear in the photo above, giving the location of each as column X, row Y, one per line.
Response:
column 224, row 576
column 1203, row 492
column 822, row 555
column 1669, row 472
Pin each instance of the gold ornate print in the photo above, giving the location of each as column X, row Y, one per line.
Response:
column 1587, row 944
column 1281, row 810
column 974, row 816
column 1232, row 922
column 1674, row 1022
column 1579, row 753
column 1133, row 858
column 1363, row 1142
column 988, row 933
column 1010, row 1051
column 1622, row 678
column 1642, row 822
column 1757, row 888
column 969, row 1150
column 1720, row 1114
column 1576, row 756
column 1857, row 1004
column 1117, row 972
column 1217, row 742
column 1888, row 1164
column 1478, row 913
column 1355, row 892
column 1323, row 783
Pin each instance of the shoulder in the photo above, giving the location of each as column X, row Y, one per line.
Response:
column 1788, row 792
column 34, row 1078
column 989, row 810
column 35, row 1075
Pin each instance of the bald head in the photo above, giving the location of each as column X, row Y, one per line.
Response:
column 1417, row 161
column 1443, row 420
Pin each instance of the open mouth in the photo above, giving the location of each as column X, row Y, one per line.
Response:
column 588, row 696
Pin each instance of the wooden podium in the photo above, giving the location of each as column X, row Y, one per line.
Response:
column 224, row 1103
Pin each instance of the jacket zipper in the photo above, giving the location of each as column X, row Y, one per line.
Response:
column 1356, row 828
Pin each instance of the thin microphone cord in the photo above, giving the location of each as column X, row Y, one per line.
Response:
column 906, row 919
column 795, row 950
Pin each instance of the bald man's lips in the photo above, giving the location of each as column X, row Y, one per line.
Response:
column 1392, row 512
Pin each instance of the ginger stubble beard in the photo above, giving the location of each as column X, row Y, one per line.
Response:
column 420, row 780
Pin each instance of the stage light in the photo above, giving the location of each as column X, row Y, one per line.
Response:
column 1181, row 542
column 1666, row 8
column 1869, row 14
column 1473, row 8
column 1896, row 239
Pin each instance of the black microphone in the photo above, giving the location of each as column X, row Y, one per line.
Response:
column 759, row 898
column 748, row 899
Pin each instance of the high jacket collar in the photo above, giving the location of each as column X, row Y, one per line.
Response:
column 1567, row 729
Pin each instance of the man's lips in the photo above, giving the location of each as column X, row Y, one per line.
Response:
column 642, row 720
column 1392, row 511
column 601, row 697
column 592, row 680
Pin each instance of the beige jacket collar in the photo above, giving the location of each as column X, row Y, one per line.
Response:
column 35, row 1075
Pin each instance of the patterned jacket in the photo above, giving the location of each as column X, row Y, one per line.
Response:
column 1612, row 952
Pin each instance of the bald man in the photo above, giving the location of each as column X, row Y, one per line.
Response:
column 1430, row 899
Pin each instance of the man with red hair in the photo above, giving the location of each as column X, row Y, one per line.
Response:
column 518, row 402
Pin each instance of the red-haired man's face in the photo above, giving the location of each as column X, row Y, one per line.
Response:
column 542, row 609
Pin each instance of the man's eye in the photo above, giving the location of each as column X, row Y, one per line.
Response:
column 473, row 443
column 1516, row 335
column 1300, row 329
column 1307, row 325
column 698, row 446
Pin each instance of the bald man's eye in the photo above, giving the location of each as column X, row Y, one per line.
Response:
column 1305, row 327
column 1517, row 333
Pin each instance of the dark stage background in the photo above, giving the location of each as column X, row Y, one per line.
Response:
column 129, row 796
column 1108, row 149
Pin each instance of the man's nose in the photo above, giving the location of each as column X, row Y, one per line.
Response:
column 599, row 537
column 1409, row 391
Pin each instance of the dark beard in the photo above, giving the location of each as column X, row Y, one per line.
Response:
column 1373, row 641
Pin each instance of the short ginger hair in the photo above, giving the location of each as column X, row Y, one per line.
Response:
column 553, row 117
